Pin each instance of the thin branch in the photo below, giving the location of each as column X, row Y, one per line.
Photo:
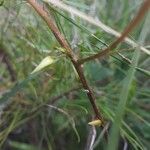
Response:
column 143, row 10
column 6, row 60
column 97, row 22
column 91, row 138
column 125, row 58
column 65, row 94
column 62, row 41
column 105, row 129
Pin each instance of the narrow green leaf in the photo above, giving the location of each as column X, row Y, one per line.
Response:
column 6, row 97
column 21, row 146
column 114, row 134
column 146, row 72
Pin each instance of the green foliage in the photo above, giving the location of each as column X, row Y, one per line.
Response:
column 48, row 109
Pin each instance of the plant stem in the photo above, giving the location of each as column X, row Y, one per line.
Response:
column 143, row 10
column 62, row 41
column 6, row 60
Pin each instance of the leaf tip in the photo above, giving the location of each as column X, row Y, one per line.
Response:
column 44, row 63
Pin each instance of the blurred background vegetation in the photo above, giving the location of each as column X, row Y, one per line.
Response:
column 49, row 109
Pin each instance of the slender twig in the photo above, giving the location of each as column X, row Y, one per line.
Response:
column 62, row 41
column 65, row 94
column 125, row 58
column 143, row 10
column 95, row 21
column 6, row 60
column 91, row 138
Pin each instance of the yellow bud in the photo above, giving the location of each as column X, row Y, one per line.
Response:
column 95, row 122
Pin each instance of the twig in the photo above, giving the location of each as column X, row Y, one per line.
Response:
column 91, row 138
column 60, row 38
column 65, row 94
column 6, row 60
column 125, row 58
column 105, row 129
column 143, row 10
column 95, row 22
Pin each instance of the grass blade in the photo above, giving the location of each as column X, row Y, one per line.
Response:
column 114, row 135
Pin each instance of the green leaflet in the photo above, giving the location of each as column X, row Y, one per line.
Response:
column 44, row 63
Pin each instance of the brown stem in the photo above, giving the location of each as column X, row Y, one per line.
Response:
column 65, row 94
column 6, row 60
column 143, row 10
column 62, row 41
